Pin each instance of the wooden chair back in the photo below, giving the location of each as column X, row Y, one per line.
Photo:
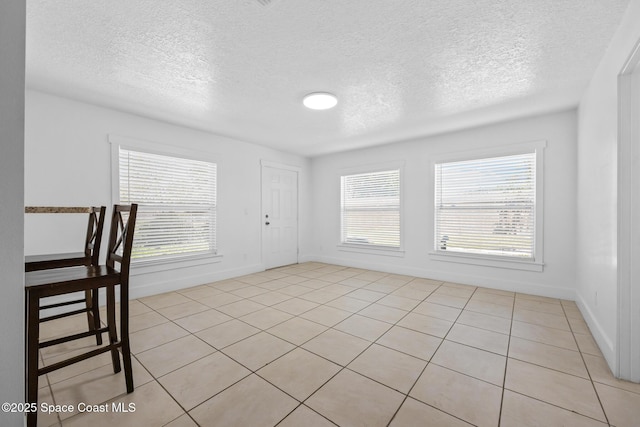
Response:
column 123, row 222
column 94, row 234
column 93, row 238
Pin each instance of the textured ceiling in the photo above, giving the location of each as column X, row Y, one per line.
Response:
column 399, row 68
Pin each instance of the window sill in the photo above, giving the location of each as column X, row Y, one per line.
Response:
column 487, row 261
column 371, row 250
column 154, row 266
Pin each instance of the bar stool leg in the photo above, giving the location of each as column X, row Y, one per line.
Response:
column 111, row 324
column 93, row 313
column 124, row 335
column 33, row 332
column 96, row 315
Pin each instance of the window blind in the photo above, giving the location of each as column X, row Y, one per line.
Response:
column 371, row 208
column 177, row 204
column 486, row 206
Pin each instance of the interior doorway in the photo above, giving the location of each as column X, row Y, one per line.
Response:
column 279, row 215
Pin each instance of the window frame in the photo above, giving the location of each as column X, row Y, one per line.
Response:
column 161, row 264
column 367, row 248
column 534, row 264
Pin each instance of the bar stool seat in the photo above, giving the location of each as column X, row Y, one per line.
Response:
column 60, row 281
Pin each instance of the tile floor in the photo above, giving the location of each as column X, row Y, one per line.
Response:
column 322, row 345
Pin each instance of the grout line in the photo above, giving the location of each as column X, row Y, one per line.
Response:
column 206, row 400
column 589, row 373
column 342, row 368
column 429, row 362
column 188, row 415
column 53, row 398
column 506, row 362
column 559, row 407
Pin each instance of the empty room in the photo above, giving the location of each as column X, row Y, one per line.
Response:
column 320, row 213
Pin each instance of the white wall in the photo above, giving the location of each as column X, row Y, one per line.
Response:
column 558, row 277
column 67, row 162
column 597, row 189
column 12, row 39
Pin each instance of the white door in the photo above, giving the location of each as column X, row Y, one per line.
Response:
column 279, row 216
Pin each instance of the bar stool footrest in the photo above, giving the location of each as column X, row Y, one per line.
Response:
column 67, row 314
column 72, row 337
column 62, row 304
column 78, row 358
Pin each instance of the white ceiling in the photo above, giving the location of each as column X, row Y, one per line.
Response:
column 399, row 68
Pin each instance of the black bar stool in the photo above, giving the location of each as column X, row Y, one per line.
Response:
column 45, row 283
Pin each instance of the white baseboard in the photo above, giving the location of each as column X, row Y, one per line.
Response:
column 155, row 287
column 606, row 344
column 140, row 290
column 307, row 258
column 451, row 276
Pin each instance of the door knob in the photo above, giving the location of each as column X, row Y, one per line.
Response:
column 267, row 223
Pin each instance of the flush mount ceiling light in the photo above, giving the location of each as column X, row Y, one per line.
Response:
column 320, row 101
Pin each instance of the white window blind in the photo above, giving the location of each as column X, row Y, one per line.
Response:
column 177, row 204
column 371, row 208
column 486, row 206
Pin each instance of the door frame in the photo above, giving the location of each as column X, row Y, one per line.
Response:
column 628, row 322
column 275, row 165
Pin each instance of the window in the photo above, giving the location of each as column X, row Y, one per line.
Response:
column 371, row 209
column 177, row 204
column 489, row 207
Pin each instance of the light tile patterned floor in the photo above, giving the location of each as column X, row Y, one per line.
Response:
column 321, row 345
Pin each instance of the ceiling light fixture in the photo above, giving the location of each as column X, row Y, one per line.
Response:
column 320, row 101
